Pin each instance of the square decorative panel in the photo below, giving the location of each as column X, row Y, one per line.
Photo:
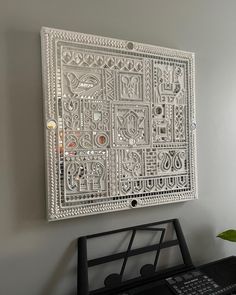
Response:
column 119, row 124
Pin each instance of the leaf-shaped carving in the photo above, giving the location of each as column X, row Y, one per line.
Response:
column 165, row 161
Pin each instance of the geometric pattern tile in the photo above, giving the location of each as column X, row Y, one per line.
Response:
column 120, row 124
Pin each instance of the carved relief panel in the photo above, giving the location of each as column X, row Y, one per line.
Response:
column 119, row 124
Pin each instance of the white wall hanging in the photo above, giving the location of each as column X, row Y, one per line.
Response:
column 119, row 124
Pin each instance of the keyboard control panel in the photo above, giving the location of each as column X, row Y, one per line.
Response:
column 197, row 283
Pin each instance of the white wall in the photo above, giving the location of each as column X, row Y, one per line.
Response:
column 36, row 257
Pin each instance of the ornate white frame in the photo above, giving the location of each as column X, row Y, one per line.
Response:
column 147, row 81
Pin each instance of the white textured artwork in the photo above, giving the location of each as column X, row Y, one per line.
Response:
column 119, row 124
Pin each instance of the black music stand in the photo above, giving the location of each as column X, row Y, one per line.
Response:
column 114, row 282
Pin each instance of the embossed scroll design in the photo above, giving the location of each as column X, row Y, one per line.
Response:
column 120, row 124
